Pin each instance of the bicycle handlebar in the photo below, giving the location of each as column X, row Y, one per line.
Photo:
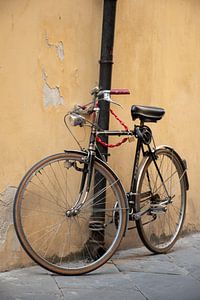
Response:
column 119, row 92
column 89, row 108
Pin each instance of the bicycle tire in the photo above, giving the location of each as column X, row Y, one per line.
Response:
column 61, row 244
column 160, row 227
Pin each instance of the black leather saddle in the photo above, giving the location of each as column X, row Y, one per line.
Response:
column 147, row 113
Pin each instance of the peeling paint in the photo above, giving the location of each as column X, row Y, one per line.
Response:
column 52, row 96
column 47, row 41
column 59, row 48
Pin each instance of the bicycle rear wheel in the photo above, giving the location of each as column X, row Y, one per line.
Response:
column 163, row 201
column 62, row 242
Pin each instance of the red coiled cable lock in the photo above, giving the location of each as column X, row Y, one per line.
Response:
column 99, row 140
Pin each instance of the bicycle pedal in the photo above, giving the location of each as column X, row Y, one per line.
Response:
column 96, row 225
column 158, row 209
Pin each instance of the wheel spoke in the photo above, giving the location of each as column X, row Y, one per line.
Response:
column 59, row 237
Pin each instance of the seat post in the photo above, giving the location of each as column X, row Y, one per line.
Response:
column 141, row 123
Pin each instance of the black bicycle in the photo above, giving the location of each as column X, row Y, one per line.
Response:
column 71, row 210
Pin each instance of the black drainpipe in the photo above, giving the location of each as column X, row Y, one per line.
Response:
column 105, row 77
column 106, row 62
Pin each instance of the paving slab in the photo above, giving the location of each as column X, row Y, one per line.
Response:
column 103, row 294
column 133, row 273
column 105, row 283
column 188, row 259
column 28, row 283
column 150, row 266
column 93, row 280
column 166, row 287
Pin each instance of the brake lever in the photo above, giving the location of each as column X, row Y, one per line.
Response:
column 106, row 97
column 113, row 102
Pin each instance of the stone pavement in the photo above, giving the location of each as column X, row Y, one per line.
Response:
column 132, row 274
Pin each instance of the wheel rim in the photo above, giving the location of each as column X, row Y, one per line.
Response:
column 160, row 226
column 58, row 241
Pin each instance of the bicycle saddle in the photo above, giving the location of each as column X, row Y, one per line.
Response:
column 147, row 113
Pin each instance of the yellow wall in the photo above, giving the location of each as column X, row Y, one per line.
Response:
column 49, row 55
column 30, row 32
column 157, row 55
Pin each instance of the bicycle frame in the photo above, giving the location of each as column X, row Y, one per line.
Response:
column 92, row 151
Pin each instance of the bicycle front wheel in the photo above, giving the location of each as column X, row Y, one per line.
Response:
column 161, row 200
column 55, row 235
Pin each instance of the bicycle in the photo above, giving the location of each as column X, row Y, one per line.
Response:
column 71, row 210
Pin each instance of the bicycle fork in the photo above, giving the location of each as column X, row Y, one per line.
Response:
column 87, row 171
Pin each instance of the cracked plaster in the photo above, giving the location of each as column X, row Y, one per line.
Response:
column 51, row 95
column 6, row 208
